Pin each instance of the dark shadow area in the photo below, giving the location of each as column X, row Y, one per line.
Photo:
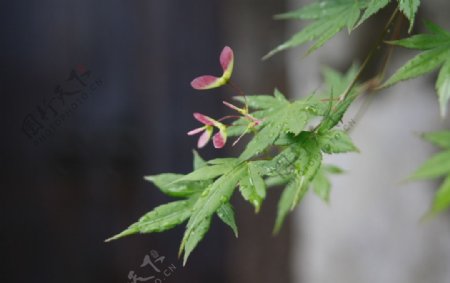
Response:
column 95, row 95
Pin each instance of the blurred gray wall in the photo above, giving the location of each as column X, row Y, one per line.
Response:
column 371, row 230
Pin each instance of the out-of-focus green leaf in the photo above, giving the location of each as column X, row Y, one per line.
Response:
column 423, row 63
column 441, row 139
column 441, row 200
column 436, row 53
column 434, row 28
column 279, row 96
column 321, row 184
column 199, row 162
column 443, row 86
column 421, row 41
column 333, row 169
column 437, row 166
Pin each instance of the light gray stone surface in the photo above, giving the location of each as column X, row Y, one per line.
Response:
column 371, row 230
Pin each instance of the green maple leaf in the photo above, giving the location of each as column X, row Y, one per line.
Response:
column 279, row 117
column 328, row 16
column 226, row 214
column 160, row 219
column 170, row 184
column 305, row 168
column 409, row 9
column 217, row 194
column 196, row 234
column 336, row 141
column 252, row 186
column 218, row 168
column 291, row 196
column 298, row 156
column 321, row 184
column 372, row 8
column 331, row 16
column 264, row 102
column 336, row 84
column 436, row 54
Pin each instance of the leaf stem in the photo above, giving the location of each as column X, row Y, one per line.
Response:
column 373, row 84
column 236, row 88
column 369, row 56
column 391, row 48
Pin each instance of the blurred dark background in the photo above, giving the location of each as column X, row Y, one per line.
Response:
column 95, row 95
